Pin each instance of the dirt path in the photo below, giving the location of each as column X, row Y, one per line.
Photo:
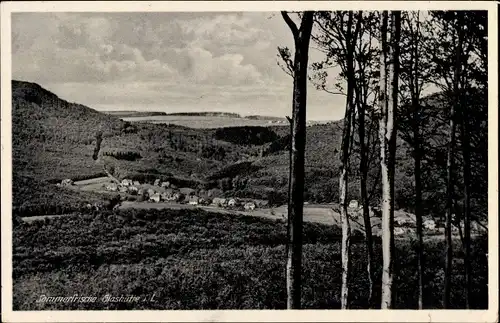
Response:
column 29, row 219
column 315, row 213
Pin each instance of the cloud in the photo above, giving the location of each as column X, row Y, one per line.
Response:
column 150, row 61
column 203, row 67
column 81, row 47
column 229, row 30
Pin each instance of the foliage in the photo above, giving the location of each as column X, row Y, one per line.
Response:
column 202, row 260
column 124, row 155
column 246, row 136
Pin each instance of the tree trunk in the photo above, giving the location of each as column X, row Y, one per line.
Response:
column 363, row 169
column 361, row 102
column 466, row 157
column 343, row 181
column 387, row 135
column 296, row 193
column 450, row 171
column 383, row 162
column 418, row 182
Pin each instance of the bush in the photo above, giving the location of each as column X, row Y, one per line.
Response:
column 246, row 136
column 124, row 155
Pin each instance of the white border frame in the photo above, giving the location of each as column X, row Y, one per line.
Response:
column 490, row 315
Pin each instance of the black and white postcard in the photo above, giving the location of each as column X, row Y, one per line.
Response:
column 249, row 161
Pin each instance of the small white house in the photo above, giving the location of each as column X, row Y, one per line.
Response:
column 66, row 182
column 123, row 189
column 155, row 198
column 217, row 201
column 112, row 187
column 399, row 231
column 353, row 204
column 157, row 182
column 232, row 203
column 430, row 224
column 133, row 190
column 151, row 192
column 249, row 206
column 127, row 182
column 137, row 183
column 165, row 184
column 194, row 200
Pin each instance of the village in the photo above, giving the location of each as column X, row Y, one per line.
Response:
column 158, row 193
column 167, row 192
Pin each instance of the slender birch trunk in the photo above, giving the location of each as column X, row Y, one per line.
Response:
column 346, row 148
column 387, row 134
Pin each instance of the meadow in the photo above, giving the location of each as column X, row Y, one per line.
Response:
column 193, row 259
column 200, row 122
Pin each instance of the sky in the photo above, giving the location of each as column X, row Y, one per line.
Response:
column 171, row 62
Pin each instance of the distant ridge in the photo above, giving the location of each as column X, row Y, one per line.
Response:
column 134, row 114
column 131, row 114
column 206, row 114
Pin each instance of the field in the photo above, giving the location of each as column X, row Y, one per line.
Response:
column 201, row 260
column 207, row 122
column 210, row 122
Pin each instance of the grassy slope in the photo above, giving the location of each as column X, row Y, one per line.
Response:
column 200, row 260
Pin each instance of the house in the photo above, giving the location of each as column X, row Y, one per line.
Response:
column 141, row 192
column 123, row 189
column 112, row 187
column 194, row 200
column 155, row 197
column 127, row 182
column 430, row 224
column 249, row 206
column 165, row 184
column 133, row 190
column 399, row 231
column 171, row 195
column 402, row 221
column 136, row 183
column 67, row 182
column 157, row 182
column 178, row 197
column 164, row 196
column 217, row 201
column 232, row 203
column 262, row 203
column 204, row 201
column 353, row 204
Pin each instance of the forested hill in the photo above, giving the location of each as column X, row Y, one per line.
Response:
column 34, row 106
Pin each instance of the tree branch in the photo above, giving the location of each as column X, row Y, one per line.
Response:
column 291, row 24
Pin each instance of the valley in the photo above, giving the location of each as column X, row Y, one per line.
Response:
column 84, row 236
